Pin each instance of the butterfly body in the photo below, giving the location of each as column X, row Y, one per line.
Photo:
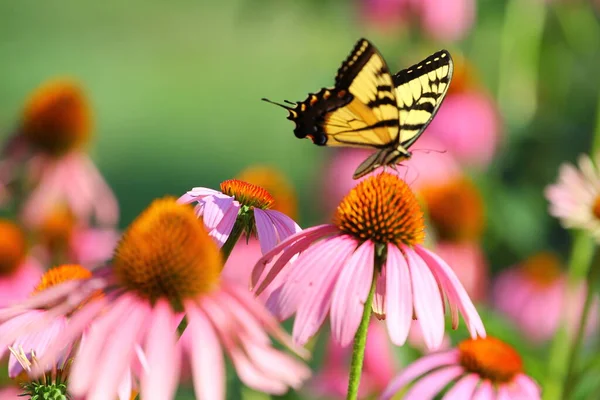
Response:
column 370, row 108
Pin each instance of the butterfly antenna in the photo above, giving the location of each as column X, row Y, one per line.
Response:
column 279, row 104
column 427, row 151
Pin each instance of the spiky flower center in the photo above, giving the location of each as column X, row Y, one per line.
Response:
column 56, row 230
column 276, row 184
column 491, row 359
column 60, row 274
column 382, row 208
column 13, row 247
column 456, row 210
column 57, row 117
column 248, row 194
column 167, row 253
column 543, row 268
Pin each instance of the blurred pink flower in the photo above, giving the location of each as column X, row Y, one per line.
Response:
column 19, row 272
column 11, row 393
column 417, row 340
column 247, row 204
column 336, row 269
column 468, row 261
column 165, row 268
column 378, row 369
column 73, row 180
column 575, row 198
column 534, row 296
column 468, row 126
column 384, row 14
column 429, row 165
column 482, row 368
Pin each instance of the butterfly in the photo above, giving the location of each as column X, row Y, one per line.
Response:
column 370, row 108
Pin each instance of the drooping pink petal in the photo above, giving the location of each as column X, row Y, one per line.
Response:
column 485, row 391
column 267, row 234
column 464, row 388
column 379, row 298
column 222, row 231
column 125, row 387
column 26, row 319
column 427, row 300
column 161, row 380
column 215, row 208
column 453, row 288
column 351, row 292
column 297, row 242
column 197, row 194
column 208, row 366
column 317, row 296
column 399, row 296
column 285, row 225
column 417, row 369
column 252, row 376
column 433, row 383
column 528, row 386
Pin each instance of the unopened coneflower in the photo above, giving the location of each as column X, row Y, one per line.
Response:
column 455, row 209
column 51, row 385
column 482, row 368
column 166, row 269
column 575, row 197
column 19, row 272
column 49, row 144
column 240, row 207
column 534, row 296
column 373, row 245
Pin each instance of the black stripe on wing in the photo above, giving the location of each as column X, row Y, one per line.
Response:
column 431, row 63
column 360, row 55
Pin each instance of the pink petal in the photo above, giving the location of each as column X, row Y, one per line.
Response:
column 296, row 243
column 464, row 388
column 433, row 383
column 197, row 194
column 427, row 300
column 399, row 296
column 22, row 323
column 455, row 291
column 267, row 235
column 379, row 298
column 528, row 386
column 252, row 376
column 351, row 292
column 215, row 208
column 161, row 380
column 418, row 368
column 485, row 391
column 208, row 366
column 316, row 296
column 284, row 225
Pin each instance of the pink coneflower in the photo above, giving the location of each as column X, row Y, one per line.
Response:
column 379, row 218
column 575, row 198
column 482, row 368
column 430, row 165
column 50, row 141
column 11, row 393
column 165, row 268
column 19, row 273
column 240, row 207
column 534, row 296
column 61, row 239
column 468, row 123
column 378, row 369
column 469, row 262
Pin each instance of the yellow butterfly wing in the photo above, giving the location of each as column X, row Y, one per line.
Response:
column 419, row 92
column 360, row 111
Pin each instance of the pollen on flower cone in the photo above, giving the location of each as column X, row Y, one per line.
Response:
column 167, row 253
column 57, row 117
column 490, row 358
column 60, row 274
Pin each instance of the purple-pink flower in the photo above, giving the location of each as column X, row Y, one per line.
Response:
column 375, row 239
column 125, row 317
column 242, row 203
column 482, row 368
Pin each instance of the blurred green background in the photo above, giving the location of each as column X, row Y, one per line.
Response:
column 176, row 89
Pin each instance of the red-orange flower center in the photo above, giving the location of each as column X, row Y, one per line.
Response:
column 543, row 268
column 57, row 117
column 491, row 359
column 13, row 247
column 167, row 253
column 382, row 208
column 248, row 194
column 61, row 274
column 596, row 208
column 276, row 184
column 456, row 210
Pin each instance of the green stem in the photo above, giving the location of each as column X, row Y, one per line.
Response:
column 580, row 334
column 560, row 351
column 233, row 238
column 360, row 340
